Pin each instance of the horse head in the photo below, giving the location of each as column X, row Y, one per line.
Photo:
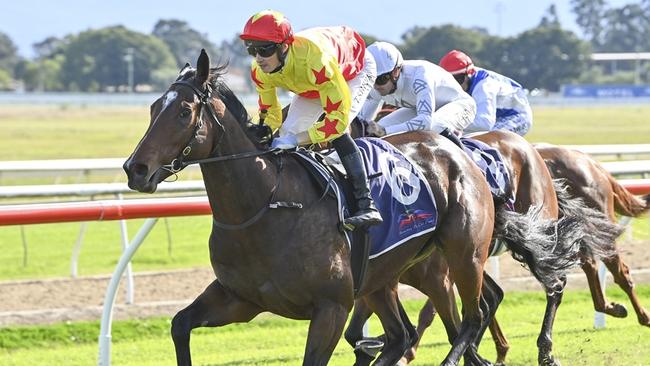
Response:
column 188, row 124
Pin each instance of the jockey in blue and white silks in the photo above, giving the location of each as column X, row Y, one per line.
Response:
column 501, row 103
column 427, row 97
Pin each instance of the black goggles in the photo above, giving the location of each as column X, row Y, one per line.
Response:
column 265, row 51
column 383, row 78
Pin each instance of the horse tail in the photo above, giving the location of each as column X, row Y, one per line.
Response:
column 625, row 203
column 594, row 231
column 533, row 241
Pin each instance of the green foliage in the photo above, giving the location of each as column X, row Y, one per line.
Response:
column 590, row 17
column 627, row 30
column 546, row 57
column 433, row 43
column 5, row 80
column 369, row 39
column 611, row 29
column 183, row 41
column 94, row 59
column 271, row 340
column 8, row 54
column 543, row 57
column 43, row 74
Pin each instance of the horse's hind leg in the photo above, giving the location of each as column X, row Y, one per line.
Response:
column 354, row 332
column 216, row 306
column 545, row 341
column 491, row 297
column 325, row 329
column 467, row 273
column 385, row 304
column 621, row 273
column 590, row 268
column 500, row 342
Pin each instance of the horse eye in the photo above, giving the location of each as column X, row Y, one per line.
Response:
column 186, row 112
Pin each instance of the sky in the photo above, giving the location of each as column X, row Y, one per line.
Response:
column 30, row 21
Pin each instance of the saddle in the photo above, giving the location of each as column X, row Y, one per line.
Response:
column 400, row 191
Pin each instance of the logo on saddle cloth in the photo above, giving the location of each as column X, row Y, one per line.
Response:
column 401, row 193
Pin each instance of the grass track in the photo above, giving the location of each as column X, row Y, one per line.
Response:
column 270, row 340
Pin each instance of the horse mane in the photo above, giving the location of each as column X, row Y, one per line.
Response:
column 227, row 96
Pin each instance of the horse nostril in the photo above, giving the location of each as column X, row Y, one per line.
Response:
column 138, row 170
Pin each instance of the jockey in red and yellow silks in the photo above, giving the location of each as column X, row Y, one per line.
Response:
column 331, row 75
column 318, row 64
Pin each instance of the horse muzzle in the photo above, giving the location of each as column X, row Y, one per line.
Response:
column 139, row 178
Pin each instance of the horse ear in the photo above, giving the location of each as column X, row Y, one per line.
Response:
column 202, row 67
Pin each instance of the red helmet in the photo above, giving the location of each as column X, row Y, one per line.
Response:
column 268, row 25
column 457, row 62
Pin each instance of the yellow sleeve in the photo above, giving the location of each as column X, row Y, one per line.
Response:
column 335, row 98
column 268, row 99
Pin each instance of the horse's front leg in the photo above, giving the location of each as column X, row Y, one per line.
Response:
column 216, row 306
column 325, row 329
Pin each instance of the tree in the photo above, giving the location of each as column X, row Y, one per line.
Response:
column 49, row 47
column 184, row 42
column 590, row 17
column 627, row 29
column 43, row 74
column 433, row 43
column 550, row 18
column 8, row 54
column 546, row 57
column 95, row 59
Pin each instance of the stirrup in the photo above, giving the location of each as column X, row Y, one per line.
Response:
column 363, row 219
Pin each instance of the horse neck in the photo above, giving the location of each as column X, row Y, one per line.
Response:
column 237, row 188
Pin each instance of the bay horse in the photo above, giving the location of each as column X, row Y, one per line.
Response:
column 295, row 262
column 585, row 179
column 533, row 187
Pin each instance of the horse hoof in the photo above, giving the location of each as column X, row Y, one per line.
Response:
column 644, row 320
column 617, row 310
column 549, row 360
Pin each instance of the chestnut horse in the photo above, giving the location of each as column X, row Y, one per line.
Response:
column 588, row 180
column 295, row 262
column 533, row 187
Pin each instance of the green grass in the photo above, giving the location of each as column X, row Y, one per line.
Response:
column 49, row 248
column 270, row 340
column 96, row 132
column 99, row 132
column 584, row 125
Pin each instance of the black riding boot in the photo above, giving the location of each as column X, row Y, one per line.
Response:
column 366, row 214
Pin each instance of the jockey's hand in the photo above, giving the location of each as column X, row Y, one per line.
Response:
column 285, row 142
column 375, row 129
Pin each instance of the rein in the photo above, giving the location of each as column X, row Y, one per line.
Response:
column 179, row 162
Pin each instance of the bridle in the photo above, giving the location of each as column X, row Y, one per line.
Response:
column 179, row 162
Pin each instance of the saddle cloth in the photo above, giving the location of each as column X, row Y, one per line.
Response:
column 401, row 193
column 491, row 163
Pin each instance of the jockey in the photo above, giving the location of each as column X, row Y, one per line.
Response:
column 500, row 101
column 427, row 97
column 330, row 74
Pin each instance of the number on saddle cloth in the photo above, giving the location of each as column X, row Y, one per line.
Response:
column 490, row 162
column 400, row 191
